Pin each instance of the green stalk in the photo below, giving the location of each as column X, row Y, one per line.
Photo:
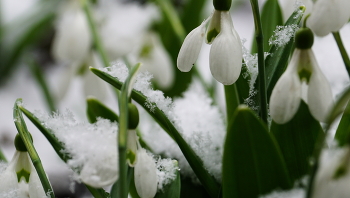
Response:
column 123, row 185
column 2, row 156
column 232, row 100
column 24, row 133
column 93, row 29
column 39, row 77
column 261, row 61
column 343, row 52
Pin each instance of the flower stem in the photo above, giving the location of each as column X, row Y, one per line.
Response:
column 342, row 50
column 93, row 29
column 39, row 76
column 232, row 100
column 261, row 61
column 2, row 156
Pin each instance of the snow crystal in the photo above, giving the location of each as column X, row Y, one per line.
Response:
column 92, row 147
column 293, row 193
column 3, row 166
column 11, row 193
column 282, row 35
column 166, row 171
column 251, row 64
column 200, row 123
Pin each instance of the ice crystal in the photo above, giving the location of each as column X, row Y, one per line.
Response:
column 166, row 172
column 282, row 35
column 92, row 147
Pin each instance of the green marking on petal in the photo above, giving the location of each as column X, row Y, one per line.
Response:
column 23, row 173
column 146, row 50
column 304, row 74
column 341, row 171
column 131, row 156
column 212, row 34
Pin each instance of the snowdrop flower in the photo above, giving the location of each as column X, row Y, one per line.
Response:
column 225, row 58
column 146, row 180
column 329, row 16
column 156, row 60
column 333, row 178
column 303, row 68
column 72, row 40
column 20, row 176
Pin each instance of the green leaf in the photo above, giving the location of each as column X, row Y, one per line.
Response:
column 252, row 162
column 27, row 140
column 98, row 192
column 97, row 109
column 195, row 162
column 173, row 189
column 271, row 16
column 17, row 36
column 297, row 140
column 276, row 61
column 343, row 131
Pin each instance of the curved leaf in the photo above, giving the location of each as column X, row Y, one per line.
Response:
column 252, row 162
column 297, row 140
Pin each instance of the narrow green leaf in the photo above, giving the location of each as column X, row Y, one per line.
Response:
column 297, row 140
column 97, row 109
column 252, row 162
column 123, row 187
column 58, row 147
column 26, row 137
column 2, row 156
column 343, row 131
column 98, row 192
column 276, row 61
column 55, row 143
column 195, row 162
column 17, row 36
column 271, row 16
column 173, row 189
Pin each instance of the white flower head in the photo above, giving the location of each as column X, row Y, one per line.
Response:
column 225, row 57
column 333, row 178
column 72, row 40
column 20, row 178
column 146, row 180
column 287, row 93
column 329, row 16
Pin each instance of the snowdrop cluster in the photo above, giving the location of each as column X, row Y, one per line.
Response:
column 303, row 79
column 194, row 116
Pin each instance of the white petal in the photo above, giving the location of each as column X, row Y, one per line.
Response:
column 285, row 97
column 158, row 62
column 8, row 178
column 100, row 174
column 320, row 98
column 190, row 48
column 225, row 56
column 328, row 16
column 326, row 185
column 35, row 187
column 145, row 175
column 92, row 85
column 131, row 147
column 72, row 40
column 214, row 25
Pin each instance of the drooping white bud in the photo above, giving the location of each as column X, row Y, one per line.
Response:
column 145, row 175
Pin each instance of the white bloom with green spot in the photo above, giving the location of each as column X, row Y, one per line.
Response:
column 20, row 179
